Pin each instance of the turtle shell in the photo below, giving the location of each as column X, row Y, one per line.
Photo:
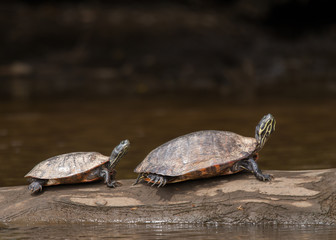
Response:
column 198, row 151
column 69, row 168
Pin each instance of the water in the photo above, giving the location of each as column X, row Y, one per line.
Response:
column 167, row 231
column 33, row 131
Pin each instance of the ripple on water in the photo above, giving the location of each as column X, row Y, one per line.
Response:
column 167, row 231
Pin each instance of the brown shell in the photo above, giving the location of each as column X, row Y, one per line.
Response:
column 197, row 151
column 69, row 168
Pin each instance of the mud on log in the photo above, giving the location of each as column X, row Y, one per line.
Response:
column 293, row 197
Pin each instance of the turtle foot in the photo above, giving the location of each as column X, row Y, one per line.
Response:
column 252, row 166
column 157, row 179
column 114, row 184
column 265, row 177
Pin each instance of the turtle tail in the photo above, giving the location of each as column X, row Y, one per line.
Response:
column 139, row 178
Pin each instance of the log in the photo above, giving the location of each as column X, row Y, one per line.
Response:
column 293, row 197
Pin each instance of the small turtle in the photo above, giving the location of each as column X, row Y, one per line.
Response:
column 206, row 154
column 76, row 167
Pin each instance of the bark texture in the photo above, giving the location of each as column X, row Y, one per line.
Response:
column 293, row 197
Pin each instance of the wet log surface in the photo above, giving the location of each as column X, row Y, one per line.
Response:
column 293, row 197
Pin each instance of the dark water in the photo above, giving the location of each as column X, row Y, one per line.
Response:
column 33, row 131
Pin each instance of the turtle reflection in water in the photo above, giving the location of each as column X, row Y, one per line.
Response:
column 77, row 167
column 206, row 154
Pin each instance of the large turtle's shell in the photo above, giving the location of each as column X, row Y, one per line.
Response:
column 67, row 165
column 195, row 151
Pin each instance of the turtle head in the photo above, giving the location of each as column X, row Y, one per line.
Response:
column 264, row 129
column 118, row 152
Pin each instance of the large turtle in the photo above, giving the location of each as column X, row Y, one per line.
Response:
column 206, row 154
column 76, row 167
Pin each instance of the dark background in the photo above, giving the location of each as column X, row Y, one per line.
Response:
column 83, row 75
column 233, row 49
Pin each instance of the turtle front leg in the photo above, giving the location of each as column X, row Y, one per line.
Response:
column 252, row 166
column 109, row 178
column 36, row 185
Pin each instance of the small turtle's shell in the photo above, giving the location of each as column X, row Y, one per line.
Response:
column 198, row 151
column 69, row 168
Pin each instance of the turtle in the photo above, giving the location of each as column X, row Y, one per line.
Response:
column 76, row 167
column 205, row 154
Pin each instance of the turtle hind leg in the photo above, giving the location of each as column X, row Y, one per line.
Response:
column 158, row 179
column 36, row 185
column 163, row 182
column 252, row 166
column 155, row 179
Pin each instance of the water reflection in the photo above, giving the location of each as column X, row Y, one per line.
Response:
column 34, row 131
column 166, row 231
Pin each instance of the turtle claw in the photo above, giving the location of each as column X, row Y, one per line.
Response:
column 114, row 184
column 155, row 180
column 263, row 177
column 163, row 181
column 251, row 166
column 267, row 177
